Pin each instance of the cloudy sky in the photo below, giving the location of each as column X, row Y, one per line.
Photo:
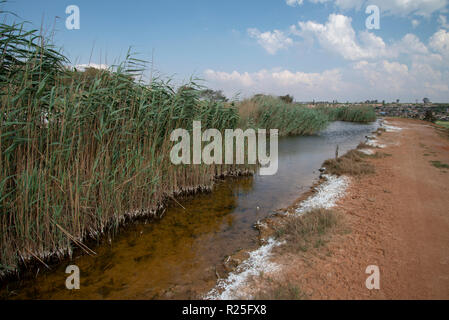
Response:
column 312, row 49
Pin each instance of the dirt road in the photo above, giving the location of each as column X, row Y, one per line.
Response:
column 397, row 219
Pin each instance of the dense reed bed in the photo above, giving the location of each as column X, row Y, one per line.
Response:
column 270, row 112
column 362, row 114
column 80, row 151
column 273, row 113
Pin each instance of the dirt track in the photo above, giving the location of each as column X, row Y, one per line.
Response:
column 397, row 219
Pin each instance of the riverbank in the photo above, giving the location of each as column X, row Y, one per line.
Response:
column 395, row 218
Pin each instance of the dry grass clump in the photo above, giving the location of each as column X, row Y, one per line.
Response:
column 377, row 155
column 443, row 132
column 302, row 231
column 363, row 145
column 248, row 110
column 278, row 290
column 379, row 131
column 352, row 163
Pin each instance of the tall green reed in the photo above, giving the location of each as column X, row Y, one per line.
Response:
column 362, row 114
column 83, row 150
column 291, row 119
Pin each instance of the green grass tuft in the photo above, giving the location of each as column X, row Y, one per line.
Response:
column 443, row 124
column 439, row 165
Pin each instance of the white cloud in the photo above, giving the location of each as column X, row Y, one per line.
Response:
column 415, row 23
column 440, row 42
column 393, row 7
column 407, row 7
column 83, row 67
column 389, row 79
column 337, row 35
column 241, row 80
column 293, row 3
column 383, row 76
column 442, row 20
column 405, row 69
column 272, row 42
column 425, row 75
column 409, row 44
column 281, row 81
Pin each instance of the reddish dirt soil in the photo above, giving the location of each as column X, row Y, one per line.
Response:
column 397, row 219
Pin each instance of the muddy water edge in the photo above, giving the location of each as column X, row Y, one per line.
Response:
column 181, row 255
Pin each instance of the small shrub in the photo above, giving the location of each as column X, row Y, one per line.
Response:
column 439, row 165
column 429, row 116
column 281, row 291
column 300, row 231
column 287, row 99
column 352, row 163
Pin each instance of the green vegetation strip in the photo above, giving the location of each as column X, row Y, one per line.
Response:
column 443, row 124
column 439, row 165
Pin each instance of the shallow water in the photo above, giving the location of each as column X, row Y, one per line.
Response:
column 179, row 256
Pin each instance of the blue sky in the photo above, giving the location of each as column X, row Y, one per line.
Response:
column 313, row 49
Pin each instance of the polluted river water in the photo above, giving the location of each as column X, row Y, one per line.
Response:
column 181, row 255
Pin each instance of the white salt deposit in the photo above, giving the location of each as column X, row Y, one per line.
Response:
column 375, row 144
column 391, row 128
column 369, row 152
column 258, row 262
column 327, row 194
column 233, row 287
